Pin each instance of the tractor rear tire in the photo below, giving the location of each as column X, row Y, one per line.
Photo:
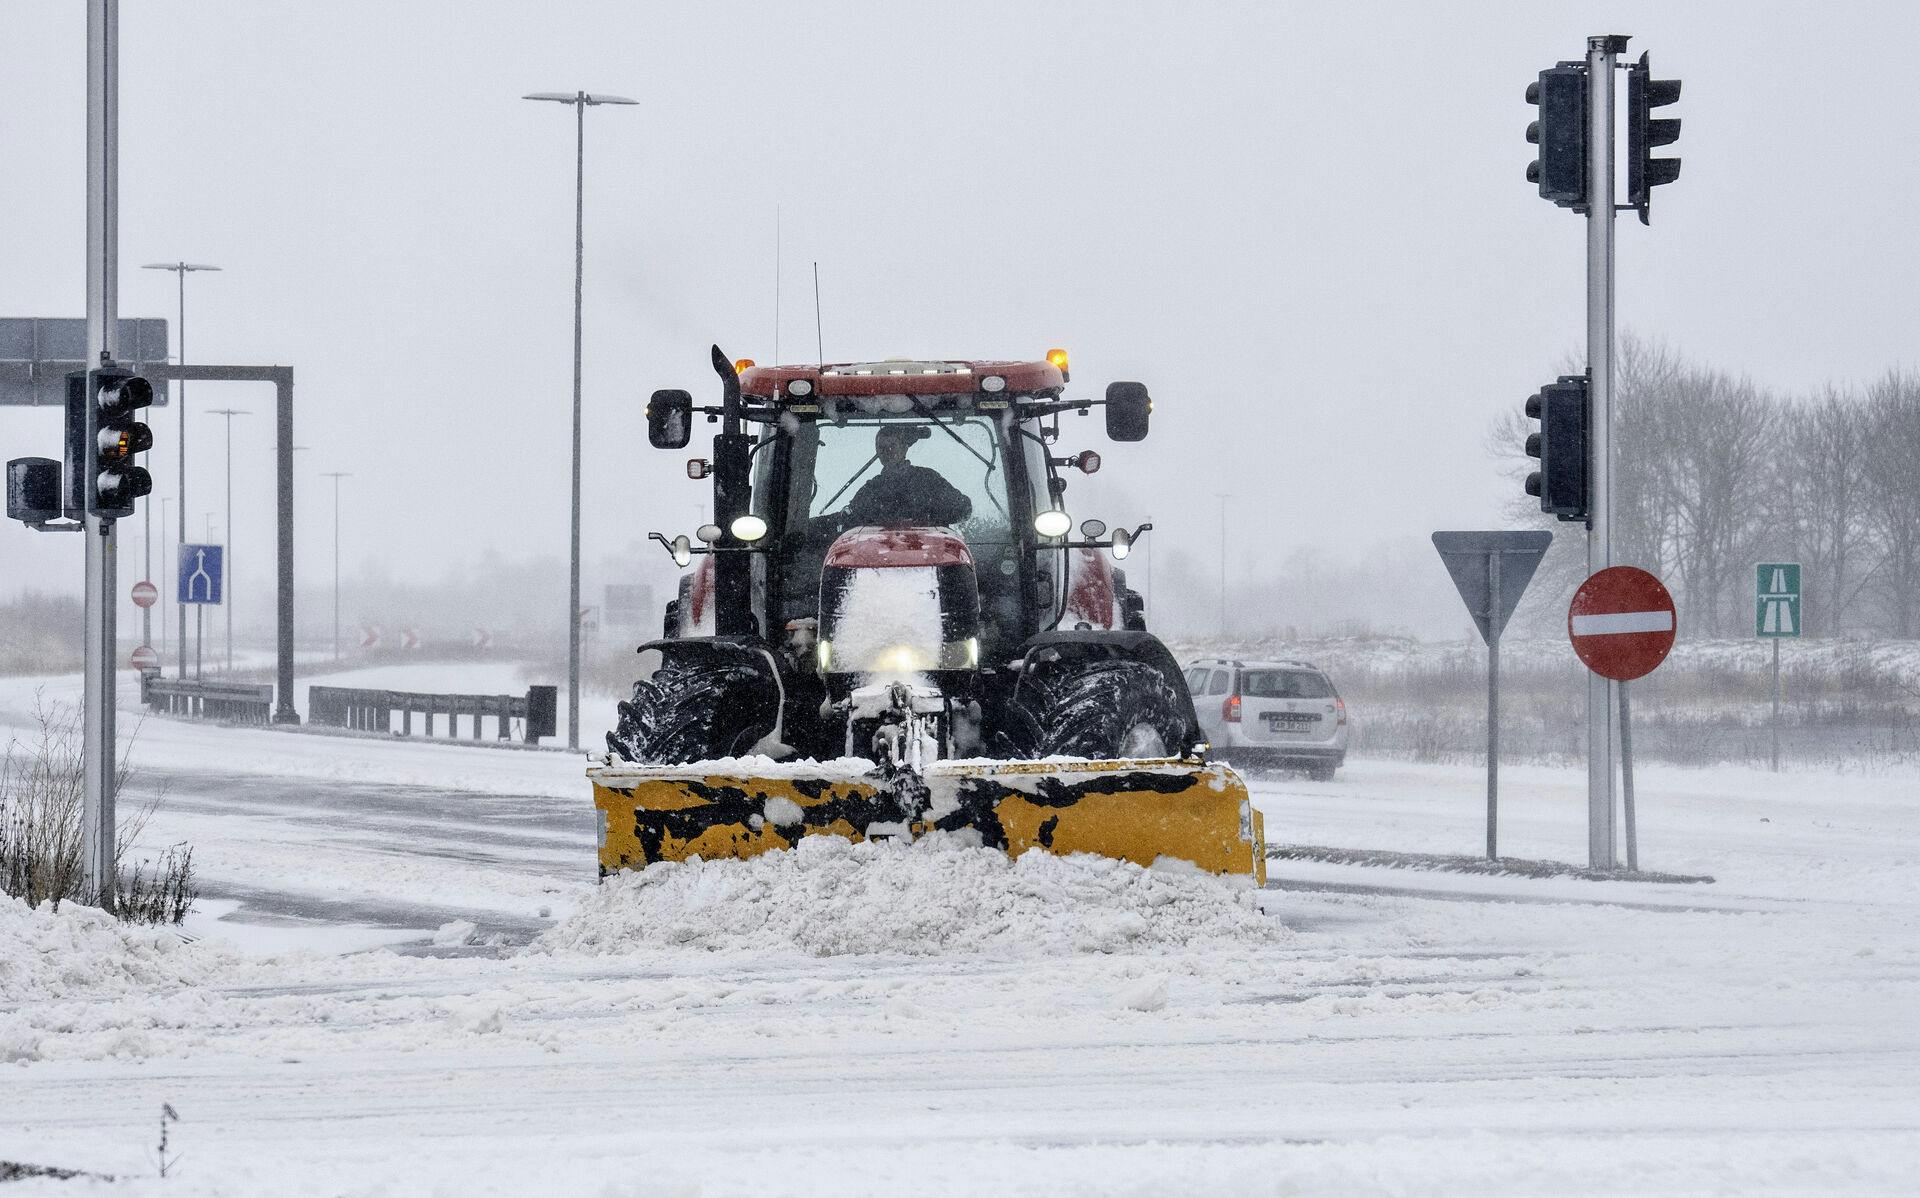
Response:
column 694, row 710
column 1110, row 709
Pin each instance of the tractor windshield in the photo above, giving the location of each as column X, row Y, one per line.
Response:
column 834, row 482
column 847, row 458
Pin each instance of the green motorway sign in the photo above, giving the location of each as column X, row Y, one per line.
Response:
column 1776, row 599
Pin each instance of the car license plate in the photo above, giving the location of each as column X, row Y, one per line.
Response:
column 1290, row 721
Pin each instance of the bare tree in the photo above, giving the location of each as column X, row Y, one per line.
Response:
column 1892, row 495
column 1819, row 491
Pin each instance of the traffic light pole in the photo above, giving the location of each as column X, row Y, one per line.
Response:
column 97, row 823
column 1602, row 51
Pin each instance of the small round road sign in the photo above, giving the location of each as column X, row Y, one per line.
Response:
column 144, row 658
column 1621, row 623
column 145, row 594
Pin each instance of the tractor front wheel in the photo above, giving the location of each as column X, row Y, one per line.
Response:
column 694, row 710
column 1110, row 709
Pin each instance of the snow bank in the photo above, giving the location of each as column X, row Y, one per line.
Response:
column 82, row 952
column 828, row 897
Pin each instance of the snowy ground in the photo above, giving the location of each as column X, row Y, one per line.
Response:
column 1384, row 1031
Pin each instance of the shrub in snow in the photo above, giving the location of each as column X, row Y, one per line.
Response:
column 828, row 896
column 40, row 807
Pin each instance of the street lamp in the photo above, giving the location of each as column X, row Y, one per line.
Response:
column 336, row 476
column 1223, row 563
column 227, row 591
column 180, row 271
column 581, row 101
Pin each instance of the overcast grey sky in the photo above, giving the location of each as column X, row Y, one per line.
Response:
column 1305, row 226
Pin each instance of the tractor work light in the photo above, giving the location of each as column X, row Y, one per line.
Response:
column 800, row 387
column 1052, row 523
column 993, row 384
column 1087, row 462
column 708, row 533
column 748, row 528
column 1093, row 530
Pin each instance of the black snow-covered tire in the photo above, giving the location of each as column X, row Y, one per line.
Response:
column 1321, row 771
column 694, row 710
column 1110, row 709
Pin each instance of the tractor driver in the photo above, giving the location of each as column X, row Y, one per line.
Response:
column 904, row 494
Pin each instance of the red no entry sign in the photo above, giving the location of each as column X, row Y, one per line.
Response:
column 144, row 594
column 1621, row 623
column 144, row 658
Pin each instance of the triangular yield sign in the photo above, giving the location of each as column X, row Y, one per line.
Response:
column 1467, row 555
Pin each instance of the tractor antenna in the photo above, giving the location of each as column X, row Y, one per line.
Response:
column 819, row 341
column 776, row 284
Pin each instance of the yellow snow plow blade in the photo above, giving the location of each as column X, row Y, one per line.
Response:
column 1140, row 811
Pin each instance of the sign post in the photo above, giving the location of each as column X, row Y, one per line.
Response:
column 1491, row 571
column 1622, row 624
column 200, row 570
column 1776, row 616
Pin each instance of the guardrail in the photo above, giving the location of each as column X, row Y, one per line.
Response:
column 229, row 702
column 373, row 711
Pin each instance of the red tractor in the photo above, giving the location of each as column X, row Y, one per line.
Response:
column 891, row 575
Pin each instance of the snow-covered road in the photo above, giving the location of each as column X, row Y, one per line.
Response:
column 1407, row 1031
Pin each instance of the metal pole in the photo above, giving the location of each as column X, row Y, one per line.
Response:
column 573, row 569
column 180, row 398
column 161, row 601
column 146, row 564
column 227, row 590
column 226, row 559
column 284, row 710
column 1626, row 778
column 97, row 820
column 336, row 476
column 1223, row 564
column 1493, row 705
column 1776, row 705
column 1601, row 52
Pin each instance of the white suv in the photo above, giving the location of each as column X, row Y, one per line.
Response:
column 1272, row 713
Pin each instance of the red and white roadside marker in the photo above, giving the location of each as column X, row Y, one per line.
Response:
column 1622, row 623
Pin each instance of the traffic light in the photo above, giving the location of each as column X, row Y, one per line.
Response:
column 1561, row 445
column 1644, row 132
column 104, row 437
column 1561, row 133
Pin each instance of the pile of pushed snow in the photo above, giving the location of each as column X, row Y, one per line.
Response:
column 79, row 952
column 828, row 896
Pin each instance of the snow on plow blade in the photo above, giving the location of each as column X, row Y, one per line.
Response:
column 1138, row 811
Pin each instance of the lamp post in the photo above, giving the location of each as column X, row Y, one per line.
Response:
column 180, row 271
column 581, row 101
column 227, row 591
column 1223, row 564
column 336, row 476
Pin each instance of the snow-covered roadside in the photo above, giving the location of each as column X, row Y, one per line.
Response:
column 1387, row 1031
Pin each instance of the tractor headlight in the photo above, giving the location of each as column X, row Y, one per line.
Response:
column 901, row 659
column 1052, row 523
column 823, row 653
column 749, row 528
column 682, row 551
column 1122, row 544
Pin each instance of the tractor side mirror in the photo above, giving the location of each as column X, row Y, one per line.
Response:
column 670, row 419
column 1128, row 406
